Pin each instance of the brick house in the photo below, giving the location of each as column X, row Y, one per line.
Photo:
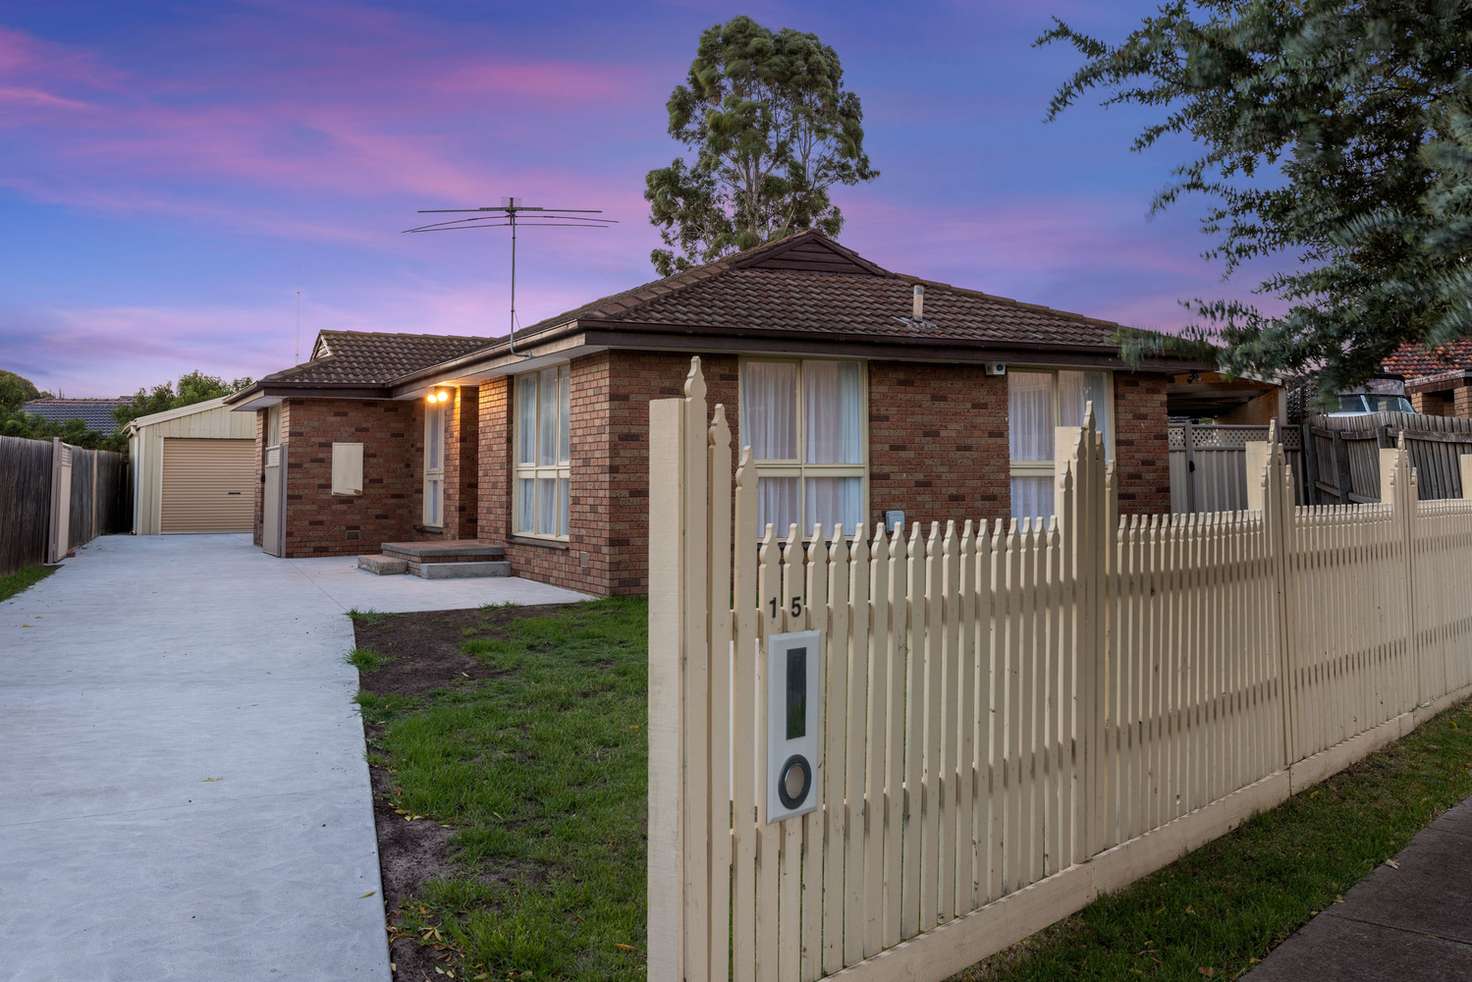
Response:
column 861, row 393
column 1439, row 380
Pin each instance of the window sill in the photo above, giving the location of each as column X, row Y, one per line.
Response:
column 531, row 540
column 436, row 529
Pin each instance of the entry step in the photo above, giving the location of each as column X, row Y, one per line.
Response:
column 460, row 570
column 444, row 551
column 383, row 565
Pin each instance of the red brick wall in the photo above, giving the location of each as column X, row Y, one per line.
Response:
column 938, row 450
column 461, row 470
column 1141, row 451
column 607, row 547
column 319, row 523
column 937, row 442
column 1461, row 401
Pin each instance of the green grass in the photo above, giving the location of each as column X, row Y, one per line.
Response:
column 26, row 576
column 1220, row 909
column 541, row 770
column 365, row 616
column 366, row 659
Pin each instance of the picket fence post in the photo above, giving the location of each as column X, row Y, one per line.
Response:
column 681, row 816
column 1270, row 492
column 1398, row 489
column 1082, row 502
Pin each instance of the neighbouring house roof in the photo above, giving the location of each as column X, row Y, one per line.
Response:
column 804, row 288
column 1417, row 361
column 96, row 413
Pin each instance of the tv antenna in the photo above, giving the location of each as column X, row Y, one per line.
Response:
column 505, row 215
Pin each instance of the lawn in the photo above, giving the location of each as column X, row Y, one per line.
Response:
column 26, row 576
column 509, row 755
column 522, row 731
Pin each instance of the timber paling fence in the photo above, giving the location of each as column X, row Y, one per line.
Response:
column 1015, row 717
column 55, row 498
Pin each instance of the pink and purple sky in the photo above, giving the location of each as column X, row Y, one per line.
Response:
column 172, row 174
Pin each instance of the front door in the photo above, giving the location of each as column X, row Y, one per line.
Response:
column 271, row 508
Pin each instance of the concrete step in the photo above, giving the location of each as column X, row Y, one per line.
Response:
column 460, row 570
column 383, row 565
column 444, row 551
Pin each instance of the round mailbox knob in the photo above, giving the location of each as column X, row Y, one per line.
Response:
column 794, row 781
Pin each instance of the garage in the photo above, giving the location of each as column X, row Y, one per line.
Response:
column 193, row 470
column 206, row 485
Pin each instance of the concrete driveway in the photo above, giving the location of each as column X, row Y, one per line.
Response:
column 183, row 793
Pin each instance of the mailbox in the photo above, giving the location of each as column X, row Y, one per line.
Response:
column 794, row 696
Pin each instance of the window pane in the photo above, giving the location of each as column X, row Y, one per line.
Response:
column 547, row 510
column 1032, row 497
column 1076, row 390
column 525, row 505
column 831, row 500
column 434, row 437
column 547, row 431
column 564, row 488
column 769, row 409
column 1030, row 415
column 434, row 501
column 776, row 504
column 564, row 417
column 526, row 419
column 831, row 406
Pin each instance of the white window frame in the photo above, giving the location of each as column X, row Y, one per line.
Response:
column 1047, row 468
column 560, row 471
column 271, row 428
column 795, row 467
column 433, row 512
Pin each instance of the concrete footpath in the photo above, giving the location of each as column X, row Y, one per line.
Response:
column 1409, row 920
column 183, row 791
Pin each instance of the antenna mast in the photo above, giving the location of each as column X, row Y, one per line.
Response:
column 505, row 215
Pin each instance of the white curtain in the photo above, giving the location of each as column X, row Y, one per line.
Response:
column 776, row 504
column 526, row 419
column 547, row 438
column 1076, row 390
column 832, row 402
column 1032, row 497
column 547, row 510
column 769, row 410
column 831, row 500
column 564, row 411
column 1030, row 415
column 563, row 489
column 525, row 504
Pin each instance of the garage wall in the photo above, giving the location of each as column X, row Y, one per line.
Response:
column 147, row 450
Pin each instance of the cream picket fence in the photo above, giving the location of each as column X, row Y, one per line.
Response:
column 1016, row 716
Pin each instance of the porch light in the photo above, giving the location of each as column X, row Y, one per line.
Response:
column 437, row 395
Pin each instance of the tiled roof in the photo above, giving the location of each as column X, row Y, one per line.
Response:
column 1415, row 361
column 371, row 358
column 808, row 284
column 96, row 413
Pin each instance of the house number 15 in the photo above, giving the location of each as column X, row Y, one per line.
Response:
column 796, row 606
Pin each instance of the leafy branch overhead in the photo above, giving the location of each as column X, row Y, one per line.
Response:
column 1336, row 133
column 770, row 129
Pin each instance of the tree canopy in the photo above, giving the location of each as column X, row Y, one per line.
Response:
column 1338, row 133
column 193, row 387
column 770, row 128
column 15, row 390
